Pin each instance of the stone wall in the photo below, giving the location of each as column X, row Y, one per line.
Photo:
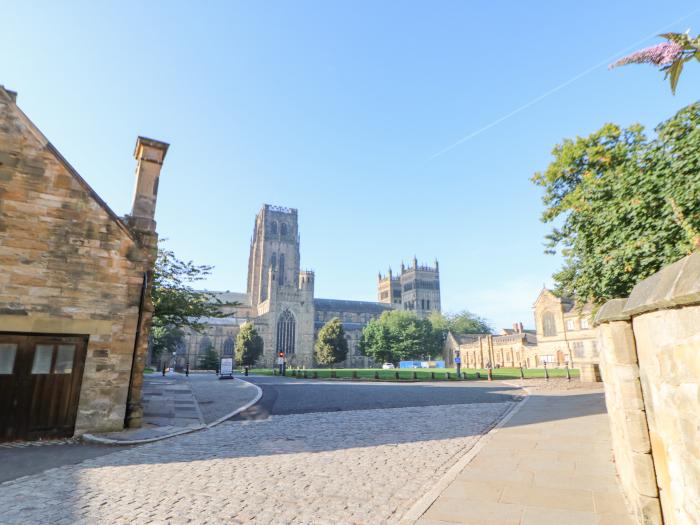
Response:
column 71, row 266
column 650, row 359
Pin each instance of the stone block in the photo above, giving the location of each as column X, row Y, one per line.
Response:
column 613, row 310
column 648, row 510
column 687, row 286
column 655, row 292
column 644, row 475
column 637, row 431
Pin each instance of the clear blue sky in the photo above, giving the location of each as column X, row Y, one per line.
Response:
column 337, row 108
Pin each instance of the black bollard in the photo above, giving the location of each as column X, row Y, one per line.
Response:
column 245, row 370
column 447, row 375
column 354, row 374
column 478, row 375
column 376, row 375
column 546, row 373
column 490, row 374
column 568, row 373
column 315, row 375
column 522, row 373
column 396, row 374
column 432, row 375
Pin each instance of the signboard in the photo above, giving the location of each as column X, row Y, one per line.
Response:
column 226, row 367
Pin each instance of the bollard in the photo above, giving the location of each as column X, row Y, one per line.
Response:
column 245, row 370
column 305, row 376
column 187, row 369
column 396, row 374
column 354, row 374
column 376, row 375
column 432, row 375
column 478, row 375
column 315, row 376
column 546, row 373
column 568, row 373
column 332, row 374
column 447, row 375
column 522, row 373
column 490, row 374
column 415, row 375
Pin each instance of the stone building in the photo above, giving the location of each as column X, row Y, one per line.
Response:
column 485, row 350
column 416, row 288
column 565, row 334
column 75, row 304
column 280, row 301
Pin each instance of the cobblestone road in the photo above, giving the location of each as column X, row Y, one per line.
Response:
column 365, row 466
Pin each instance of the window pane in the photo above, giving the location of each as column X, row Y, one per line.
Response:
column 64, row 359
column 42, row 359
column 7, row 357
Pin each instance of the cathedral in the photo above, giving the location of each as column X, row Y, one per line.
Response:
column 280, row 301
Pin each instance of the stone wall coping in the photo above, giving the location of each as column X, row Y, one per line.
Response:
column 675, row 285
column 613, row 310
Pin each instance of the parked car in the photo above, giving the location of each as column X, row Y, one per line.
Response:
column 387, row 366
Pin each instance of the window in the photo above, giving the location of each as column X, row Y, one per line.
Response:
column 273, row 260
column 427, row 304
column 8, row 351
column 229, row 345
column 584, row 324
column 286, row 330
column 422, row 304
column 578, row 349
column 283, row 229
column 548, row 325
column 547, row 359
column 280, row 279
column 273, row 227
column 64, row 359
column 42, row 359
column 570, row 324
column 594, row 349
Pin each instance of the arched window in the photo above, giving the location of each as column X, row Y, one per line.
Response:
column 549, row 327
column 286, row 331
column 280, row 272
column 229, row 345
column 273, row 260
column 283, row 228
column 273, row 227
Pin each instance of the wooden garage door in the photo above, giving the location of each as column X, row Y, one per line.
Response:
column 40, row 378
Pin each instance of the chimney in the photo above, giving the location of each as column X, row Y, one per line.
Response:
column 149, row 155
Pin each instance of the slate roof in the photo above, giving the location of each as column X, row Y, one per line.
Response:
column 340, row 305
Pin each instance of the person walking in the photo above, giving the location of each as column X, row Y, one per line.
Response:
column 458, row 365
column 280, row 363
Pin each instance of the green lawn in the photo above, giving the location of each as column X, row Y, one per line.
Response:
column 421, row 374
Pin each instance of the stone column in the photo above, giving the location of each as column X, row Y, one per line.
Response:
column 626, row 410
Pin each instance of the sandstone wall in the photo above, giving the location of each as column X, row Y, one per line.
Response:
column 650, row 358
column 69, row 266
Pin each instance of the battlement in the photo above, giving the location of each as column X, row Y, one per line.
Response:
column 281, row 209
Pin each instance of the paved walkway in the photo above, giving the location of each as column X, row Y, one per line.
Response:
column 551, row 463
column 175, row 404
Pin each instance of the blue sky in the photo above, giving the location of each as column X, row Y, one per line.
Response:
column 338, row 109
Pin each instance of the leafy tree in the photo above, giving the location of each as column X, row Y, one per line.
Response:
column 463, row 322
column 176, row 304
column 398, row 335
column 669, row 56
column 209, row 360
column 165, row 340
column 625, row 205
column 249, row 345
column 331, row 345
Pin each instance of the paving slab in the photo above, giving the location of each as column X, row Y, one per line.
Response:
column 550, row 462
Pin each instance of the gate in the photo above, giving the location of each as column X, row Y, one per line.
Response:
column 40, row 377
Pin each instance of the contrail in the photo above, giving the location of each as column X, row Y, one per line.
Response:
column 559, row 87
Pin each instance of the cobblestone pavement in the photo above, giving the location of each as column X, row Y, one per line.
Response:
column 360, row 466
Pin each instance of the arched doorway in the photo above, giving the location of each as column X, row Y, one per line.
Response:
column 286, row 332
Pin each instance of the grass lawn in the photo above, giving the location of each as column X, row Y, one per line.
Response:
column 422, row 373
column 148, row 370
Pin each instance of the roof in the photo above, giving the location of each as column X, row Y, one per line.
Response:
column 467, row 338
column 340, row 305
column 346, row 326
column 230, row 297
column 10, row 97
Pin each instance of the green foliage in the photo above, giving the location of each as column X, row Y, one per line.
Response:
column 625, row 205
column 165, row 340
column 459, row 323
column 209, row 360
column 249, row 345
column 176, row 304
column 399, row 335
column 331, row 345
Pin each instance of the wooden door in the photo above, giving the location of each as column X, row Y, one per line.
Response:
column 40, row 377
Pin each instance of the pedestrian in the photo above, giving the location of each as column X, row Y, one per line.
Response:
column 280, row 363
column 458, row 364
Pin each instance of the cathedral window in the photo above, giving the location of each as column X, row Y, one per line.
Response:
column 548, row 325
column 283, row 229
column 273, row 227
column 286, row 331
column 229, row 345
column 273, row 260
column 280, row 279
column 427, row 304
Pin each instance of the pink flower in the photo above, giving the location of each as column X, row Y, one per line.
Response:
column 659, row 55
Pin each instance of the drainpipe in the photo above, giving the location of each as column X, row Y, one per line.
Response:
column 137, row 339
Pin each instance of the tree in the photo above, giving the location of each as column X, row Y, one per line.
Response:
column 164, row 340
column 398, row 335
column 249, row 345
column 176, row 304
column 209, row 360
column 625, row 205
column 669, row 56
column 331, row 345
column 463, row 322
